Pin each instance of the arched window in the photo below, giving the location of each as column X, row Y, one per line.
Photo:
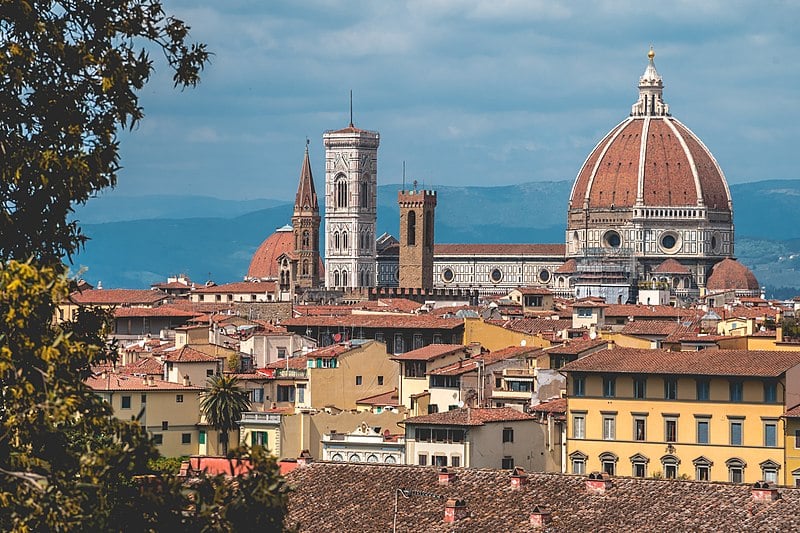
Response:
column 428, row 229
column 609, row 462
column 390, row 460
column 735, row 470
column 345, row 244
column 411, row 234
column 335, row 240
column 305, row 267
column 354, row 458
column 364, row 200
column 336, row 278
column 344, row 278
column 337, row 457
column 702, row 468
column 670, row 464
column 305, row 240
column 341, row 191
column 578, row 460
column 639, row 465
column 769, row 470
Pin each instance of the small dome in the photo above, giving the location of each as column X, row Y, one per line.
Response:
column 730, row 274
column 670, row 266
column 264, row 264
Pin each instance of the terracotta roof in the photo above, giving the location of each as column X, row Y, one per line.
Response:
column 430, row 352
column 240, row 287
column 611, row 176
column 146, row 365
column 553, row 406
column 569, row 267
column 651, row 327
column 330, row 352
column 731, row 274
column 187, row 354
column 360, row 497
column 322, row 310
column 402, row 305
column 118, row 297
column 390, row 398
column 500, row 249
column 165, row 310
column 670, row 266
column 201, row 307
column 794, row 412
column 469, row 416
column 352, row 129
column 739, row 363
column 376, row 321
column 649, row 311
column 172, row 285
column 264, row 263
column 508, row 353
column 298, row 362
column 457, row 368
column 577, row 346
column 535, row 290
column 114, row 382
column 536, row 325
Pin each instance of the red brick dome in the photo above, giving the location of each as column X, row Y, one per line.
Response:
column 264, row 264
column 730, row 274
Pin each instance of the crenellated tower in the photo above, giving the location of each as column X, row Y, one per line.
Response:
column 417, row 210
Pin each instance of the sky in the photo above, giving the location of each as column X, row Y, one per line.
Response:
column 476, row 92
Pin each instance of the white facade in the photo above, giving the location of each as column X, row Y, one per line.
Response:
column 364, row 445
column 351, row 197
column 267, row 347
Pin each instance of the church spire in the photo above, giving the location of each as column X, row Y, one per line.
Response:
column 651, row 87
column 306, row 198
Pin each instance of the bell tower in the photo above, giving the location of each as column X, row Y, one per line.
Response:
column 416, row 237
column 351, row 197
column 305, row 225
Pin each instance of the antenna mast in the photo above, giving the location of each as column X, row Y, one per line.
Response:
column 351, row 108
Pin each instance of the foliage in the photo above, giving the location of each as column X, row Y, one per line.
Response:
column 166, row 465
column 69, row 72
column 222, row 402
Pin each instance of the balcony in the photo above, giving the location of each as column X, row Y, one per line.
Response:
column 254, row 417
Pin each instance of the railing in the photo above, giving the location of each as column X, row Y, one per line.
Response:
column 263, row 418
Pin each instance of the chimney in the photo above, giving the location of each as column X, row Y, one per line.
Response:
column 186, row 381
column 304, row 459
column 518, row 478
column 540, row 516
column 598, row 483
column 455, row 510
column 446, row 476
column 151, row 382
column 764, row 492
column 474, row 348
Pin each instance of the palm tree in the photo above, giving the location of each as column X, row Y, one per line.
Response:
column 222, row 402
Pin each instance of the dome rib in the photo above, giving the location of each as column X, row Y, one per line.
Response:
column 698, row 188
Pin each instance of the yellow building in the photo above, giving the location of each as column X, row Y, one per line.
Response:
column 710, row 415
column 792, row 446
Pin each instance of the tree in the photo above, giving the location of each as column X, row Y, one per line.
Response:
column 69, row 75
column 223, row 402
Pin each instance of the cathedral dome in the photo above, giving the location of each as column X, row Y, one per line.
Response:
column 264, row 264
column 730, row 274
column 650, row 159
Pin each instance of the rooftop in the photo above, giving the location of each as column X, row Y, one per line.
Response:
column 469, row 416
column 430, row 352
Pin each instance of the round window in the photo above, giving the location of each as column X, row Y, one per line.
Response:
column 448, row 275
column 544, row 275
column 397, row 274
column 612, row 239
column 716, row 242
column 670, row 242
column 496, row 275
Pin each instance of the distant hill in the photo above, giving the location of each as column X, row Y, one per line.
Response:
column 169, row 237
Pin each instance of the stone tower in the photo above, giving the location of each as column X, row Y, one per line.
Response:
column 305, row 225
column 416, row 238
column 351, row 197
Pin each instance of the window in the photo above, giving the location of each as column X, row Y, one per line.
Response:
column 584, row 312
column 439, row 460
column 445, row 382
column 179, row 398
column 609, row 387
column 735, row 470
column 186, row 438
column 202, row 437
column 359, row 380
column 736, row 432
column 797, row 439
column 380, row 380
column 355, row 458
column 639, row 428
column 507, row 463
column 703, row 388
column 422, row 459
column 455, row 461
column 508, row 435
column 158, row 439
column 433, row 408
column 609, row 427
column 341, row 191
column 422, row 434
column 520, row 386
column 769, row 471
column 770, row 392
column 414, row 369
column 640, row 388
column 379, row 336
column 702, row 469
column 144, row 398
column 579, row 386
column 639, row 465
column 736, row 391
column 285, row 393
column 579, row 426
column 301, row 393
column 437, row 338
column 671, row 429
column 418, row 341
column 126, row 402
column 702, row 430
column 411, row 228
column 257, row 395
column 282, row 353
column 670, row 465
column 399, row 343
column 609, row 462
column 771, row 433
column 164, row 425
column 498, row 383
column 670, row 389
column 578, row 461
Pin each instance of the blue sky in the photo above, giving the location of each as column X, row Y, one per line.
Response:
column 465, row 92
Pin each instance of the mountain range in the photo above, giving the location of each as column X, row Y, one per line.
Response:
column 139, row 240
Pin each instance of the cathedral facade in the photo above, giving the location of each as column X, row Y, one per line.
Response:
column 650, row 206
